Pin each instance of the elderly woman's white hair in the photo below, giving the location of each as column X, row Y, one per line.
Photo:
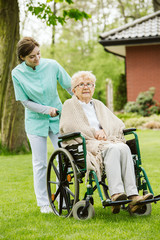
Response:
column 82, row 76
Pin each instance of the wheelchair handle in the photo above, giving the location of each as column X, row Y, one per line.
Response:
column 58, row 112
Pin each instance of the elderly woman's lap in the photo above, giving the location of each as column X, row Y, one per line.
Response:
column 117, row 148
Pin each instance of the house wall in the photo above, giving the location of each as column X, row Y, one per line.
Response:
column 142, row 70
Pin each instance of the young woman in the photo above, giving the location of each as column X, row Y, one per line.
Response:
column 35, row 84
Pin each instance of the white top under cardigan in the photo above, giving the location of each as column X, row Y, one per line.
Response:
column 91, row 114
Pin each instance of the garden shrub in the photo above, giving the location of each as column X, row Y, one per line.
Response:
column 144, row 105
column 135, row 122
column 152, row 125
column 131, row 107
column 152, row 122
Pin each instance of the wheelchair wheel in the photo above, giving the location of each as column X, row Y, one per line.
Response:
column 89, row 213
column 62, row 182
column 144, row 211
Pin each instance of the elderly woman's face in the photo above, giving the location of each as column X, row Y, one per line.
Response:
column 84, row 90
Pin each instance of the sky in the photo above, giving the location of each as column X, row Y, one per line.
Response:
column 32, row 27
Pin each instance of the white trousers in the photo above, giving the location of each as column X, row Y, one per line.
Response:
column 39, row 161
column 119, row 169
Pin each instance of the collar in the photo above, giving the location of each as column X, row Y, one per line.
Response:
column 83, row 103
column 30, row 68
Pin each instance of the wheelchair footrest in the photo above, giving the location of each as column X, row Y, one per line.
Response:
column 155, row 199
column 108, row 202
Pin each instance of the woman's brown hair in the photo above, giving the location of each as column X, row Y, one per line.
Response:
column 25, row 46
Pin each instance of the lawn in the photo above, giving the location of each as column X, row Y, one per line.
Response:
column 21, row 218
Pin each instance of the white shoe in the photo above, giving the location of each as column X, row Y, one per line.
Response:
column 46, row 209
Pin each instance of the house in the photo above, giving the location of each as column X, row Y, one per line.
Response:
column 139, row 44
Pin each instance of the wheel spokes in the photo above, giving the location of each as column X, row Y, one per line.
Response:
column 53, row 182
column 56, row 171
column 56, row 194
column 69, row 191
column 63, row 187
column 67, row 200
column 61, row 201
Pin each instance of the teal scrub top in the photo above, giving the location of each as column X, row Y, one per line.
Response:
column 40, row 86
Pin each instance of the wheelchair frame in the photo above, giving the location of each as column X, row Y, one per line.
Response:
column 71, row 157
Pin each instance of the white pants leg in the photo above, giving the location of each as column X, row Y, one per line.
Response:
column 54, row 139
column 120, row 169
column 39, row 161
column 127, row 168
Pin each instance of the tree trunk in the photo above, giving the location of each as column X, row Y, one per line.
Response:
column 54, row 27
column 156, row 5
column 13, row 136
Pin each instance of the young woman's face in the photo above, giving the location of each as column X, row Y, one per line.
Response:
column 32, row 60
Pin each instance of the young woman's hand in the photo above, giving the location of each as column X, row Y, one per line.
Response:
column 100, row 135
column 53, row 112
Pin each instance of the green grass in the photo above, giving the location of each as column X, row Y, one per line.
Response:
column 21, row 218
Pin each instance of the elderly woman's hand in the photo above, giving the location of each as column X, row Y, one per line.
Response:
column 100, row 135
column 53, row 112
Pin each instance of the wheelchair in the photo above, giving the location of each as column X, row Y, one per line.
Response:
column 66, row 171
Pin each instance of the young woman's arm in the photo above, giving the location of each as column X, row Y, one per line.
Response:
column 39, row 108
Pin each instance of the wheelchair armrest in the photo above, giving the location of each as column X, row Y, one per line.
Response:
column 70, row 135
column 125, row 131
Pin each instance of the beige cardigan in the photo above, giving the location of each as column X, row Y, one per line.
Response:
column 73, row 119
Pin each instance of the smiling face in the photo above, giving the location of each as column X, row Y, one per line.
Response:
column 32, row 60
column 84, row 90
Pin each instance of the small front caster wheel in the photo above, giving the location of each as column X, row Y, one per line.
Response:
column 79, row 215
column 144, row 211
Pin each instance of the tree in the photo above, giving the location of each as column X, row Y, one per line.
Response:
column 52, row 13
column 11, row 113
column 45, row 12
column 156, row 5
column 13, row 136
column 131, row 10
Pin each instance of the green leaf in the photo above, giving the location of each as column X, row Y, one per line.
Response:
column 52, row 20
column 65, row 13
column 38, row 10
column 58, row 1
column 30, row 8
column 76, row 14
column 69, row 1
column 86, row 15
column 44, row 12
column 61, row 20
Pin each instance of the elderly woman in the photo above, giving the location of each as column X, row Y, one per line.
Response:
column 105, row 141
